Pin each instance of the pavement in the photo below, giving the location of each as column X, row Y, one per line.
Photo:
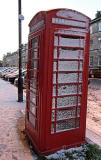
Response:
column 13, row 143
column 93, row 123
column 92, row 137
column 95, row 83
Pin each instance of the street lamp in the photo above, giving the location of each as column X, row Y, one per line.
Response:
column 20, row 80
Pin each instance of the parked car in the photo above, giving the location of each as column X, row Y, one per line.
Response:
column 24, row 79
column 95, row 73
column 15, row 75
column 6, row 71
column 10, row 73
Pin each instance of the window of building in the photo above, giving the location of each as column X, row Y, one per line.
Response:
column 99, row 43
column 99, row 26
column 91, row 61
column 99, row 61
column 91, row 44
column 91, row 29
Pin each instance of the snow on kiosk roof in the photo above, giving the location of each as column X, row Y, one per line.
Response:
column 63, row 14
column 57, row 81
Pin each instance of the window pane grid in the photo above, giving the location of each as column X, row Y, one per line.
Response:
column 34, row 87
column 67, row 85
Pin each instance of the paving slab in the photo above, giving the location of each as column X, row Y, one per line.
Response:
column 13, row 145
column 93, row 137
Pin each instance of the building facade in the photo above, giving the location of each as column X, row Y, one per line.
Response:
column 95, row 43
column 12, row 59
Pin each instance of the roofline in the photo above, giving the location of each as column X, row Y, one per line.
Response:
column 57, row 9
column 44, row 13
column 95, row 20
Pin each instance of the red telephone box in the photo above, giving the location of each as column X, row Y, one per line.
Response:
column 57, row 81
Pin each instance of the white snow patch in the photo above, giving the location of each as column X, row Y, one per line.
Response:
column 72, row 15
column 61, row 154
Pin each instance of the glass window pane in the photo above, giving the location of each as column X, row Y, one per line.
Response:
column 91, row 61
column 79, row 100
column 33, row 83
column 54, row 90
column 81, row 66
column 99, row 60
column 68, row 65
column 78, row 112
column 52, row 128
column 32, row 119
column 33, row 108
column 66, row 114
column 33, row 98
column 65, row 125
column 67, row 89
column 80, row 77
column 54, row 78
column 55, row 53
column 53, row 115
column 56, row 41
column 55, row 66
column 91, row 29
column 71, row 41
column 70, row 53
column 32, row 64
column 53, row 102
column 35, row 42
column 78, row 122
column 99, row 43
column 67, row 77
column 80, row 89
column 91, row 44
column 35, row 64
column 35, row 54
column 67, row 101
column 99, row 26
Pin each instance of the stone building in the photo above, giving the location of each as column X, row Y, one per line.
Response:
column 95, row 42
column 12, row 59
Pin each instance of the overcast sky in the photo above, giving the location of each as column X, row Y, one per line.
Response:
column 9, row 17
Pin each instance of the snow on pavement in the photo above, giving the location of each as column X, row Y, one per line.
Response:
column 94, row 106
column 12, row 146
column 8, row 95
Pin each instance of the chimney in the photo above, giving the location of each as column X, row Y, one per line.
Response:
column 98, row 14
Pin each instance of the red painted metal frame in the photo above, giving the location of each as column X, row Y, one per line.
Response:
column 45, row 142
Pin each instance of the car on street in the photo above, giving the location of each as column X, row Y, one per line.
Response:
column 95, row 73
column 15, row 75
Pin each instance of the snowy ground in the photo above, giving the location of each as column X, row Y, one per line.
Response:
column 62, row 154
column 10, row 114
column 94, row 106
column 12, row 140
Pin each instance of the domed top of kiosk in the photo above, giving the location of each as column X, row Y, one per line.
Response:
column 60, row 13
